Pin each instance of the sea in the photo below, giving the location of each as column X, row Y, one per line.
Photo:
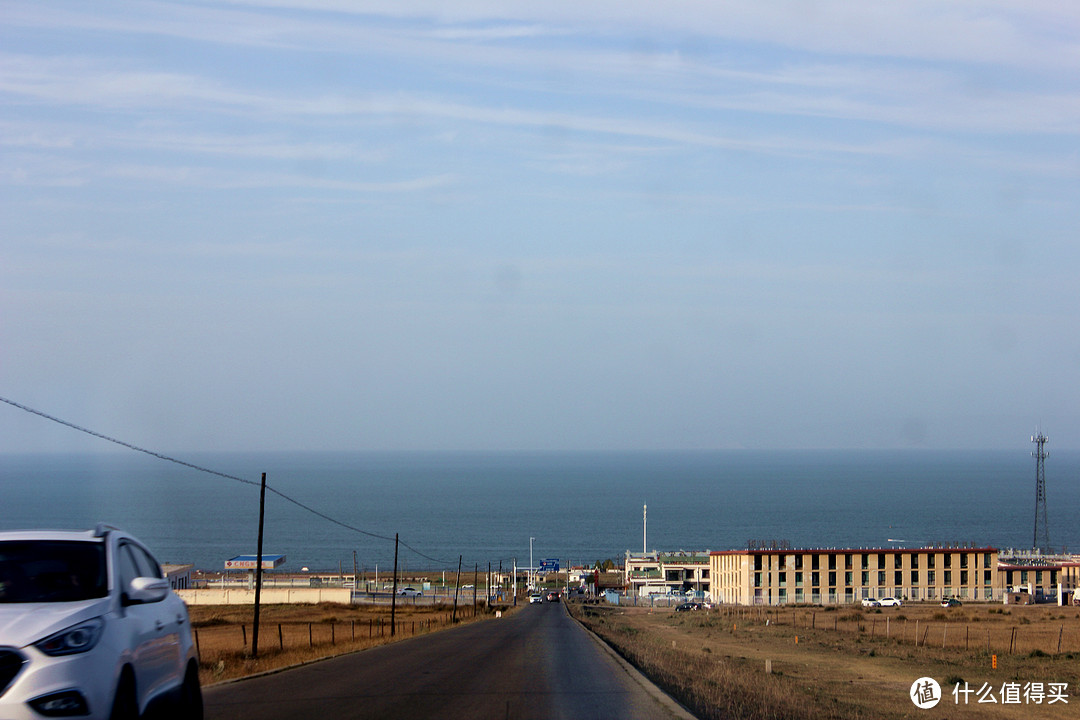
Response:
column 325, row 510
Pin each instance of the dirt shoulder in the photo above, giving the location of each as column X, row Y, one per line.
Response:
column 291, row 635
column 853, row 671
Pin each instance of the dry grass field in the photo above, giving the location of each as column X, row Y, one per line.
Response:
column 293, row 634
column 850, row 662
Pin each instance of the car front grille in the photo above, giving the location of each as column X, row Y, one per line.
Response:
column 11, row 663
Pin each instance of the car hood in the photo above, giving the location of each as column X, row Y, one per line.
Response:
column 22, row 624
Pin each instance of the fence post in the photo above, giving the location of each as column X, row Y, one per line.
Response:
column 280, row 639
column 309, row 640
column 243, row 630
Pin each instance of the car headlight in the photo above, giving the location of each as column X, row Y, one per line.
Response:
column 75, row 639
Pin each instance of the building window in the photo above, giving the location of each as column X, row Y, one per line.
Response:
column 798, row 562
column 898, row 578
column 898, row 561
column 865, row 561
column 963, row 560
column 865, row 577
column 986, row 560
column 948, row 560
column 757, row 562
column 987, row 577
column 705, row 574
column 929, row 577
column 963, row 577
column 948, row 577
column 930, row 561
column 832, row 579
column 915, row 560
column 832, row 562
column 881, row 578
column 757, row 579
column 914, row 577
column 815, row 562
column 847, row 579
column 782, row 578
column 798, row 579
column 847, row 561
column 881, row 561
column 815, row 579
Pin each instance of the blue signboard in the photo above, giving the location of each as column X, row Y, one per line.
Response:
column 549, row 565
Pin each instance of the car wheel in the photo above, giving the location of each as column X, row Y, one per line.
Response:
column 191, row 704
column 125, row 705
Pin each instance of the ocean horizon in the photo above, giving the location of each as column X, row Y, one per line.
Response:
column 578, row 507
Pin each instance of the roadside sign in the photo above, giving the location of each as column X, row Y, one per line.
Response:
column 247, row 562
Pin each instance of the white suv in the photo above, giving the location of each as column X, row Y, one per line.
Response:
column 89, row 627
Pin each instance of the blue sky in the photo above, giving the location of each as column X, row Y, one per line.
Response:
column 491, row 225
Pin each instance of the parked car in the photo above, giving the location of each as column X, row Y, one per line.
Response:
column 890, row 602
column 684, row 607
column 410, row 592
column 89, row 627
column 950, row 602
column 536, row 598
column 871, row 602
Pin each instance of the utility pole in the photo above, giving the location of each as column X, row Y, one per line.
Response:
column 393, row 598
column 515, row 582
column 531, row 564
column 645, row 530
column 258, row 569
column 457, row 586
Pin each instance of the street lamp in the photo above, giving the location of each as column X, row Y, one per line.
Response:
column 531, row 564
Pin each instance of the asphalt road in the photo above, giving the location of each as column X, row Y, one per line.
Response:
column 534, row 664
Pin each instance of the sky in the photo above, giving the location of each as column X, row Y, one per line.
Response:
column 407, row 225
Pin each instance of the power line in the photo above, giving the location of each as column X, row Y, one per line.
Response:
column 211, row 471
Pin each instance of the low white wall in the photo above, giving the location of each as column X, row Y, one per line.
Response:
column 269, row 596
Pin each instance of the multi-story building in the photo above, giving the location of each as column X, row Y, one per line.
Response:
column 831, row 576
column 1036, row 573
column 657, row 573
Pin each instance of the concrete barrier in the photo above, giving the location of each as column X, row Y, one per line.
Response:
column 270, row 596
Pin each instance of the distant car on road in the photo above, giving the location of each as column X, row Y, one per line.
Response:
column 553, row 597
column 890, row 602
column 951, row 602
column 410, row 592
column 90, row 627
column 684, row 607
column 536, row 598
column 870, row 602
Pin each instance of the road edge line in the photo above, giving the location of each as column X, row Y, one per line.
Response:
column 677, row 709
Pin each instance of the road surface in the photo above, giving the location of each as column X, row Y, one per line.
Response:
column 536, row 663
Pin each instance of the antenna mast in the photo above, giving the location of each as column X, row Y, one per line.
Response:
column 1040, row 456
column 645, row 529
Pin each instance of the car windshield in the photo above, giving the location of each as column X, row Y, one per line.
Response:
column 34, row 571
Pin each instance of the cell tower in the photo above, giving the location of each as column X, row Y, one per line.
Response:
column 1041, row 530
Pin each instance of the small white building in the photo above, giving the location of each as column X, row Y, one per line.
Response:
column 179, row 576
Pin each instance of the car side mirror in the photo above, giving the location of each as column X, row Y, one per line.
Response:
column 146, row 590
